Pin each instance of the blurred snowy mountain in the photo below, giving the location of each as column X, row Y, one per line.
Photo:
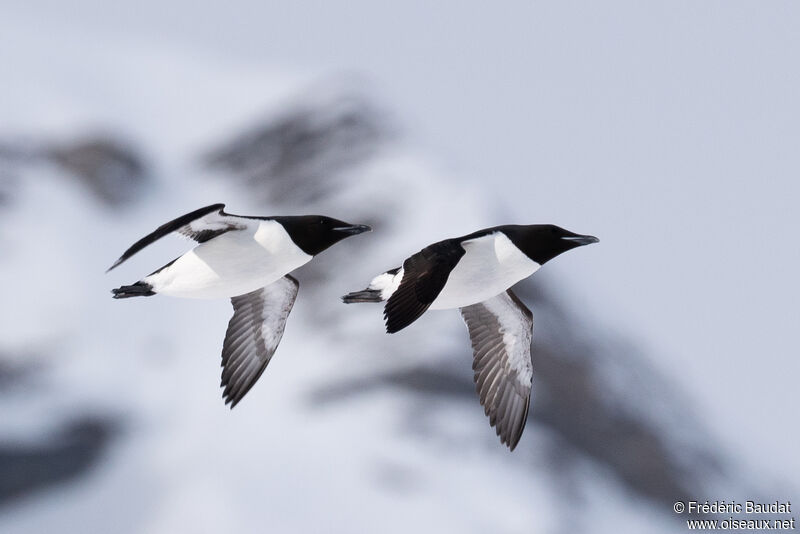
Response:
column 114, row 420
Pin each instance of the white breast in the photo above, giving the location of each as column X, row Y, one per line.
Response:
column 491, row 264
column 232, row 264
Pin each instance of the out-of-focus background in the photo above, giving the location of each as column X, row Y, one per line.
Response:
column 665, row 357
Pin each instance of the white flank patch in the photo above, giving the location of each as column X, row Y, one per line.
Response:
column 491, row 265
column 387, row 283
column 232, row 264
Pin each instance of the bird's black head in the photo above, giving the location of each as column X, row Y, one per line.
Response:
column 315, row 233
column 543, row 242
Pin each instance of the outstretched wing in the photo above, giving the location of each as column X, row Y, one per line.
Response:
column 201, row 225
column 501, row 329
column 424, row 275
column 253, row 334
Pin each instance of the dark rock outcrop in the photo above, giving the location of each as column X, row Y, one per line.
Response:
column 109, row 168
column 298, row 156
column 26, row 467
column 37, row 462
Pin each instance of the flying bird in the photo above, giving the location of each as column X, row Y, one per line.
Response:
column 246, row 259
column 474, row 273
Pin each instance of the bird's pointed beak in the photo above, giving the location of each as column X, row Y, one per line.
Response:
column 581, row 240
column 353, row 229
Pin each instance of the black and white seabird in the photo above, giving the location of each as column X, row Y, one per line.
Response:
column 474, row 273
column 246, row 259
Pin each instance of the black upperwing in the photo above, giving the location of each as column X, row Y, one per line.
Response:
column 424, row 276
column 200, row 225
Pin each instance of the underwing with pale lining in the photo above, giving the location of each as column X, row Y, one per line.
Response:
column 253, row 334
column 501, row 330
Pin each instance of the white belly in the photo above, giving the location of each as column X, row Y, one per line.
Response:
column 232, row 264
column 491, row 265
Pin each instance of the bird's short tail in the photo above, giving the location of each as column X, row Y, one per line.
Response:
column 367, row 295
column 380, row 289
column 139, row 289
